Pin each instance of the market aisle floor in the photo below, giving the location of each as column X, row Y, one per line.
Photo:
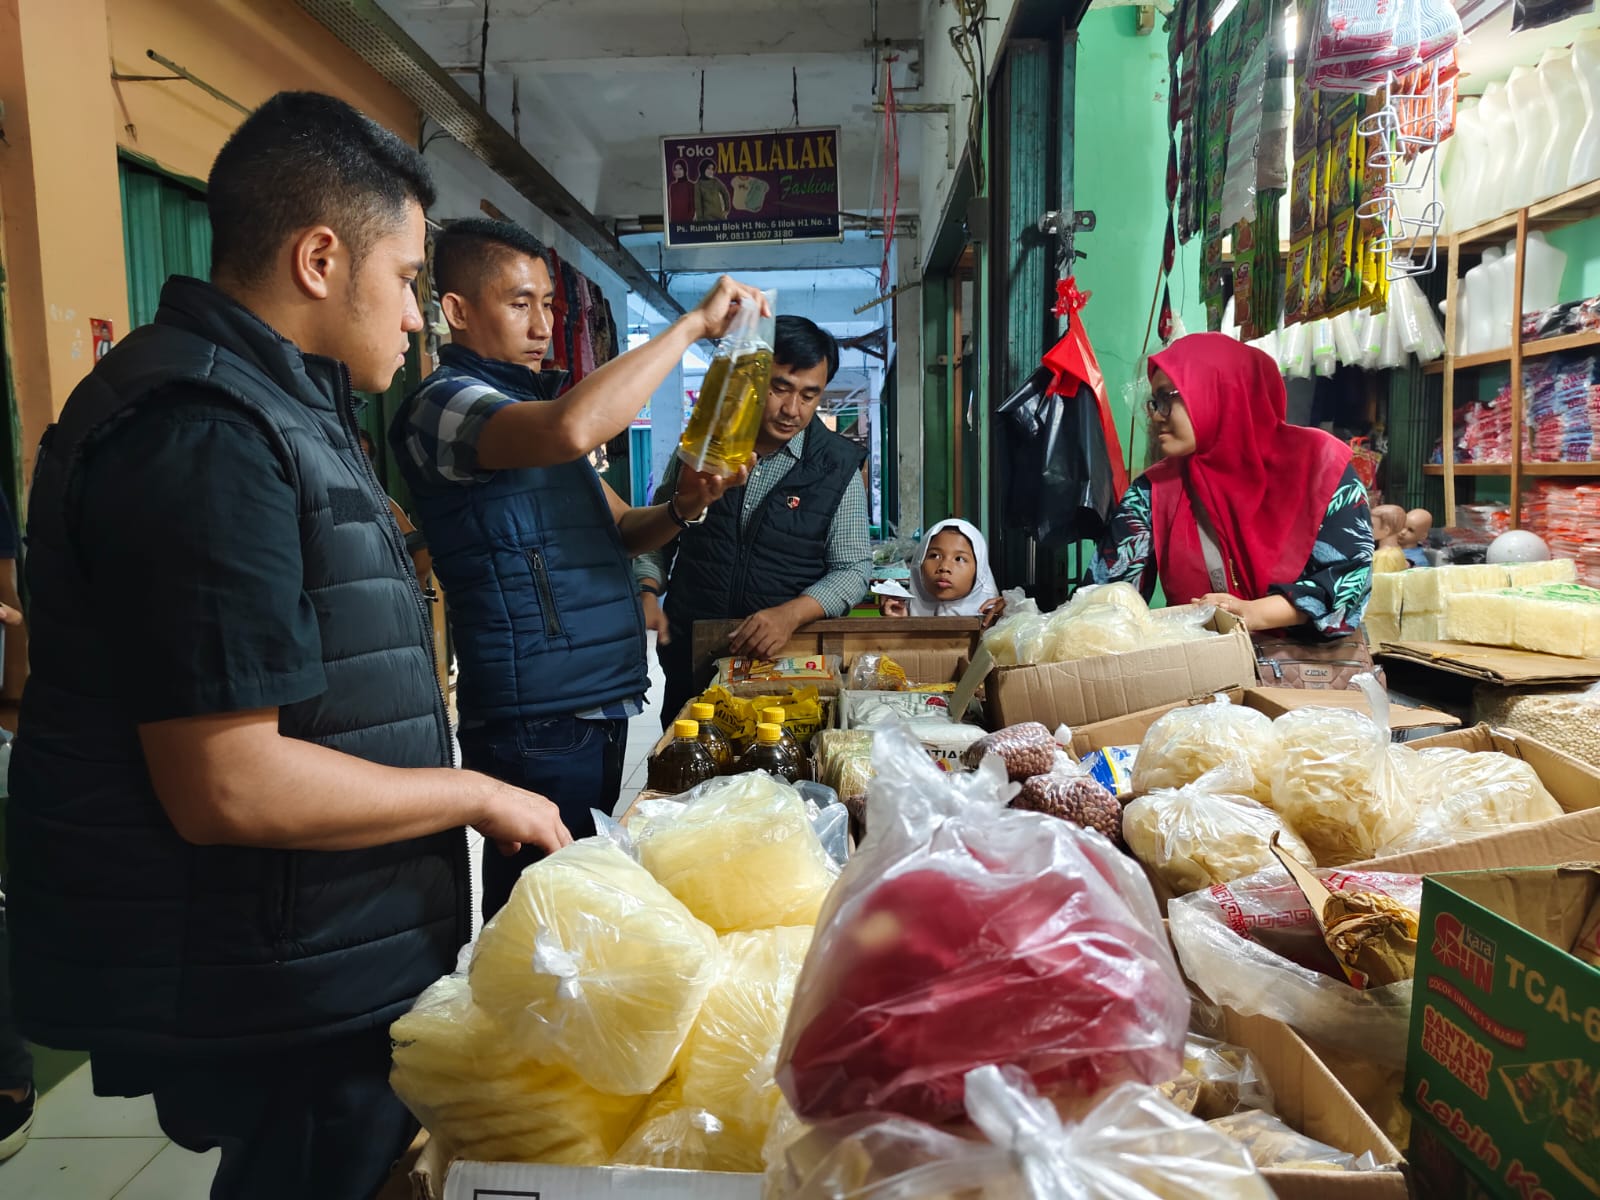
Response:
column 87, row 1147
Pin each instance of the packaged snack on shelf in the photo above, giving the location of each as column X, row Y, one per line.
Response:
column 1188, row 742
column 1113, row 768
column 596, row 967
column 873, row 710
column 951, row 906
column 457, row 1069
column 1133, row 1145
column 740, row 852
column 815, row 670
column 1272, row 1143
column 804, row 713
column 1207, row 832
column 876, row 673
column 1257, row 946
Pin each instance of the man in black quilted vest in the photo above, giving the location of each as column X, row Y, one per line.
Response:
column 790, row 547
column 236, row 841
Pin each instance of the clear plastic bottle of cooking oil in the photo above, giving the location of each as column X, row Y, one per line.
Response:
column 712, row 738
column 790, row 743
column 768, row 754
column 721, row 436
column 682, row 764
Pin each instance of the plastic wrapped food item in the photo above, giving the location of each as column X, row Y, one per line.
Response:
column 1218, row 1079
column 1092, row 631
column 596, row 967
column 1109, row 619
column 1273, row 1145
column 1461, row 795
column 1027, row 750
column 741, row 854
column 680, row 1137
column 1255, row 946
column 1018, row 637
column 877, row 673
column 1187, row 742
column 1205, row 833
column 819, row 669
column 457, row 1071
column 873, row 710
column 955, row 908
column 1073, row 796
column 727, row 1065
column 1134, row 1145
column 1334, row 783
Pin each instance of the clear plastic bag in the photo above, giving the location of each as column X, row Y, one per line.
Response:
column 679, row 1137
column 728, row 1062
column 1218, row 1079
column 876, row 673
column 1206, row 832
column 1463, row 795
column 596, row 967
column 1133, row 1145
column 829, row 818
column 1254, row 946
column 1017, row 637
column 1324, row 354
column 1187, row 742
column 741, row 854
column 1346, row 340
column 1335, row 783
column 1296, row 349
column 1421, row 334
column 954, row 905
column 457, row 1070
column 1273, row 1145
column 1374, row 336
column 1025, row 750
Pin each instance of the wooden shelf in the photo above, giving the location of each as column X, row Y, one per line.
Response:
column 1535, row 349
column 1528, row 468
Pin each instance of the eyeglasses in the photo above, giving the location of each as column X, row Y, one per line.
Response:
column 1160, row 404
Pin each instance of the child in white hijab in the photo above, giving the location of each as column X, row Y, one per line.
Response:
column 952, row 577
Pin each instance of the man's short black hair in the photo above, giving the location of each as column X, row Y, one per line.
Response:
column 802, row 344
column 305, row 159
column 468, row 250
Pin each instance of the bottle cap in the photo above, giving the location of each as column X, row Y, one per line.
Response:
column 768, row 734
column 772, row 716
column 702, row 712
column 686, row 729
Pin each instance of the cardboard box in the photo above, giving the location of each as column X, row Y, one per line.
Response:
column 1503, row 1063
column 1311, row 1099
column 1274, row 702
column 850, row 636
column 1495, row 664
column 434, row 1178
column 1575, row 837
column 1090, row 690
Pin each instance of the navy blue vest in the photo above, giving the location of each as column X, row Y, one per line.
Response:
column 125, row 937
column 544, row 609
column 724, row 571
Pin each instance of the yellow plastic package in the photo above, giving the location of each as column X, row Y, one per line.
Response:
column 596, row 967
column 1335, row 783
column 742, row 855
column 456, row 1070
column 1188, row 742
column 679, row 1137
column 728, row 1062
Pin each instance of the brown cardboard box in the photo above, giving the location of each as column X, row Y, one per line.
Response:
column 848, row 637
column 1274, row 702
column 1088, row 690
column 1495, row 664
column 1571, row 838
column 1310, row 1098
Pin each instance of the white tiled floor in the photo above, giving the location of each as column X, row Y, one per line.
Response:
column 87, row 1147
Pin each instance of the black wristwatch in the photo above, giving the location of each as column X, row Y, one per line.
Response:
column 650, row 589
column 677, row 518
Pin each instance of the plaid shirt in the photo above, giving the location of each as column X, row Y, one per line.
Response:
column 849, row 540
column 443, row 425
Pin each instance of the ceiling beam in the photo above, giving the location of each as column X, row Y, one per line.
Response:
column 383, row 45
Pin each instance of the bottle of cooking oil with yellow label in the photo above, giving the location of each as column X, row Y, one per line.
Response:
column 721, row 436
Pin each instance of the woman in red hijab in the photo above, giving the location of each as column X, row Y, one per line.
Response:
column 1286, row 519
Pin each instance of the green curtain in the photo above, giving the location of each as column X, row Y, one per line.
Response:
column 165, row 232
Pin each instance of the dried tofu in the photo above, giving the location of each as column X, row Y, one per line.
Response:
column 457, row 1070
column 1547, row 619
column 728, row 1062
column 1554, row 570
column 742, row 855
column 1484, row 618
column 1421, row 627
column 1381, row 629
column 596, row 967
column 1336, row 786
column 1187, row 742
column 1387, row 592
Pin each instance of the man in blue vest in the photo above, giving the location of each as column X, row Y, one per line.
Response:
column 235, row 837
column 532, row 550
column 790, row 547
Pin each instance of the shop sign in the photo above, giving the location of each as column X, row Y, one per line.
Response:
column 731, row 188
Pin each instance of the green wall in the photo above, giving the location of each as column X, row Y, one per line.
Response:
column 1121, row 164
column 1582, row 244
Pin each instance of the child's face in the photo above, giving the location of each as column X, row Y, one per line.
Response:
column 949, row 569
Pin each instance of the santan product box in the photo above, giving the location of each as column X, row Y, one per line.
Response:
column 1503, row 1064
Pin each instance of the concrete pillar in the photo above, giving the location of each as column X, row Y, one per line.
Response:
column 908, row 388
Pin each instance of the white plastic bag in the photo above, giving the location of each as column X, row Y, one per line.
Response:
column 1189, row 741
column 1133, row 1145
column 1254, row 946
column 952, row 908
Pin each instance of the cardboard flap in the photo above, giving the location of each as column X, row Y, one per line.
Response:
column 1494, row 663
column 1549, row 902
column 1277, row 701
